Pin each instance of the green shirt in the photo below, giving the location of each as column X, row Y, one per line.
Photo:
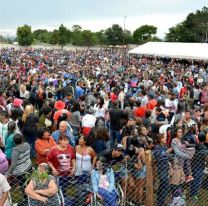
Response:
column 9, row 144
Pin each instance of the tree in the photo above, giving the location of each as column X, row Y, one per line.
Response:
column 62, row 35
column 76, row 36
column 54, row 37
column 24, row 35
column 100, row 36
column 114, row 35
column 193, row 29
column 88, row 38
column 128, row 38
column 144, row 34
column 42, row 35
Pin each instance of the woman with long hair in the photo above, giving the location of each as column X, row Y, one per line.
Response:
column 99, row 108
column 184, row 153
column 29, row 130
column 85, row 157
column 103, row 183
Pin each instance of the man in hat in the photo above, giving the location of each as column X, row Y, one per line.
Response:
column 17, row 106
column 114, row 155
column 60, row 107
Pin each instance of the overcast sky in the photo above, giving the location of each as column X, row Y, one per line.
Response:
column 95, row 14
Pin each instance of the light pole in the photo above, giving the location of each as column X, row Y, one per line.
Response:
column 124, row 27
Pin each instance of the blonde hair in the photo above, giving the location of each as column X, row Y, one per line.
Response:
column 28, row 110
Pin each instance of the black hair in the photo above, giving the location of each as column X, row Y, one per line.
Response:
column 100, row 122
column 11, row 127
column 41, row 132
column 116, row 103
column 87, row 141
column 101, row 101
column 18, row 139
column 138, row 103
column 50, row 94
column 76, row 106
column 4, row 114
column 143, row 92
column 202, row 136
column 46, row 110
column 14, row 114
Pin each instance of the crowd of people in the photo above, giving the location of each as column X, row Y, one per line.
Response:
column 77, row 113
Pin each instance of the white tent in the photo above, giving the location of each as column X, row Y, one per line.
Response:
column 173, row 50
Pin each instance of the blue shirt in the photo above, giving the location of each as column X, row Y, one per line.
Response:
column 56, row 135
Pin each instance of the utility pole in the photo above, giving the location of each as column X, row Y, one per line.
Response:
column 124, row 28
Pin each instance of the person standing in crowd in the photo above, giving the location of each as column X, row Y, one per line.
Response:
column 4, row 165
column 61, row 160
column 161, row 153
column 103, row 183
column 20, row 158
column 60, row 107
column 185, row 154
column 4, row 191
column 4, row 120
column 198, row 166
column 88, row 121
column 9, row 143
column 85, row 158
column 99, row 108
column 43, row 144
column 115, row 118
column 75, row 119
column 29, row 130
column 64, row 130
column 44, row 190
column 45, row 118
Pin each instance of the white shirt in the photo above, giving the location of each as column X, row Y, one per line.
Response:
column 4, row 187
column 144, row 101
column 99, row 112
column 88, row 121
column 171, row 105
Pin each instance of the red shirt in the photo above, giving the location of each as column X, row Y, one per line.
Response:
column 113, row 97
column 140, row 112
column 182, row 91
column 151, row 104
column 58, row 113
column 62, row 160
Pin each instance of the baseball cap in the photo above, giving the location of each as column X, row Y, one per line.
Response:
column 119, row 147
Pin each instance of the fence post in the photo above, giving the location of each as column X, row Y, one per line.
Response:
column 149, row 179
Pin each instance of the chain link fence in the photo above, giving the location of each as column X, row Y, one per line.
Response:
column 130, row 184
column 162, row 181
column 179, row 181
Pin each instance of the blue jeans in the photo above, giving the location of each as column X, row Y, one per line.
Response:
column 110, row 199
column 196, row 183
column 114, row 135
column 164, row 187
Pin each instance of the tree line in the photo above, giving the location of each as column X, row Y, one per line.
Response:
column 193, row 29
column 115, row 35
